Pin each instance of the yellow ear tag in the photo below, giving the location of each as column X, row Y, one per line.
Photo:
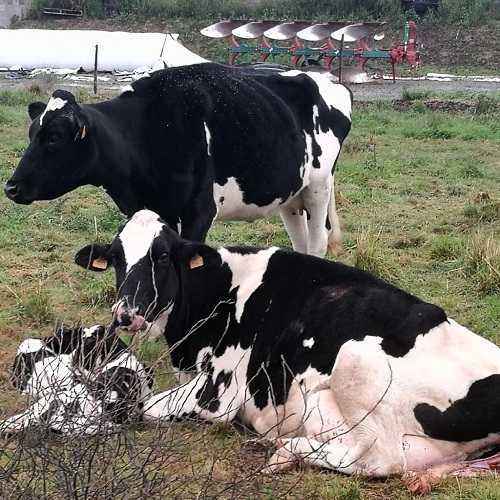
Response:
column 196, row 261
column 100, row 263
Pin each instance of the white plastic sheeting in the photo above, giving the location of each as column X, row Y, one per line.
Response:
column 117, row 50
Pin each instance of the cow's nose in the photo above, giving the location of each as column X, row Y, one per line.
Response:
column 127, row 318
column 11, row 190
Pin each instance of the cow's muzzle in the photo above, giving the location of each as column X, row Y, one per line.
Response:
column 14, row 192
column 11, row 190
column 128, row 318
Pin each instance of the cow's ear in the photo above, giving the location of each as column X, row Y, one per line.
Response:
column 197, row 255
column 94, row 257
column 82, row 127
column 35, row 109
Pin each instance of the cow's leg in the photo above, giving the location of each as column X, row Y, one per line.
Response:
column 37, row 414
column 316, row 198
column 71, row 412
column 335, row 235
column 361, row 381
column 295, row 223
column 363, row 458
column 212, row 398
column 196, row 221
column 324, row 421
column 422, row 481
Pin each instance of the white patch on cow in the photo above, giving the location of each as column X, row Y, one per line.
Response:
column 156, row 328
column 234, row 360
column 283, row 420
column 127, row 88
column 308, row 342
column 30, row 345
column 183, row 376
column 230, row 206
column 453, row 371
column 330, row 148
column 332, row 94
column 52, row 105
column 51, row 374
column 89, row 332
column 209, row 139
column 248, row 271
column 328, row 90
column 138, row 235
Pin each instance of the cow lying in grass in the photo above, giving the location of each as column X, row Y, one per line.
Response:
column 344, row 370
column 84, row 381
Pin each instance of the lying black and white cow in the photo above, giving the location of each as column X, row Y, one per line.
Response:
column 198, row 143
column 84, row 381
column 361, row 377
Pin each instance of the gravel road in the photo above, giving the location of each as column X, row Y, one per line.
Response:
column 386, row 89
column 375, row 89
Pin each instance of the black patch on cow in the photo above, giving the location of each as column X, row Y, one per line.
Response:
column 208, row 396
column 97, row 349
column 473, row 417
column 24, row 365
column 64, row 340
column 119, row 389
column 304, row 297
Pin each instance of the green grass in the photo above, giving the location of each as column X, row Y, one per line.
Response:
column 468, row 12
column 419, row 203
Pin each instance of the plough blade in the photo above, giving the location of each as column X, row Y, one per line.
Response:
column 361, row 43
column 222, row 28
column 355, row 32
column 351, row 74
column 254, row 29
column 319, row 32
column 286, row 31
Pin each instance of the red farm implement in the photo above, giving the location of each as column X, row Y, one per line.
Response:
column 305, row 43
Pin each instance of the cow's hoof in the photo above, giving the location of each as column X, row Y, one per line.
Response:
column 281, row 461
column 420, row 483
column 6, row 434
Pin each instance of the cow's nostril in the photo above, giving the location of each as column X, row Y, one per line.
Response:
column 11, row 189
column 124, row 320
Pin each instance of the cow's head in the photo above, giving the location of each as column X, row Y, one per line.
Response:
column 149, row 260
column 58, row 140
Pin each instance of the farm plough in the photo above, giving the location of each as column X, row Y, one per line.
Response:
column 305, row 43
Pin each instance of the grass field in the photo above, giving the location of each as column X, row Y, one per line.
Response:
column 418, row 192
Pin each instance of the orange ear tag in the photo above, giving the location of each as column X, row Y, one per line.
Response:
column 196, row 261
column 100, row 263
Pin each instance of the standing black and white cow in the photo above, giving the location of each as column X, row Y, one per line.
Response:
column 351, row 372
column 198, row 143
column 83, row 381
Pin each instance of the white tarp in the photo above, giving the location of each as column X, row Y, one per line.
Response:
column 117, row 50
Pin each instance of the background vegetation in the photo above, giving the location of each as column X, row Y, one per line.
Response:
column 466, row 12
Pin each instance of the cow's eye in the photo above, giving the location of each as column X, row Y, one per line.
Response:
column 164, row 257
column 54, row 139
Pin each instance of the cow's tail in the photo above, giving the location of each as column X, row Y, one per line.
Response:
column 333, row 224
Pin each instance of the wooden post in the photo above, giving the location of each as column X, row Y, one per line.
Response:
column 95, row 69
column 340, row 57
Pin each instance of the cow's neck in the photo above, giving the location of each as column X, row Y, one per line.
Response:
column 116, row 158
